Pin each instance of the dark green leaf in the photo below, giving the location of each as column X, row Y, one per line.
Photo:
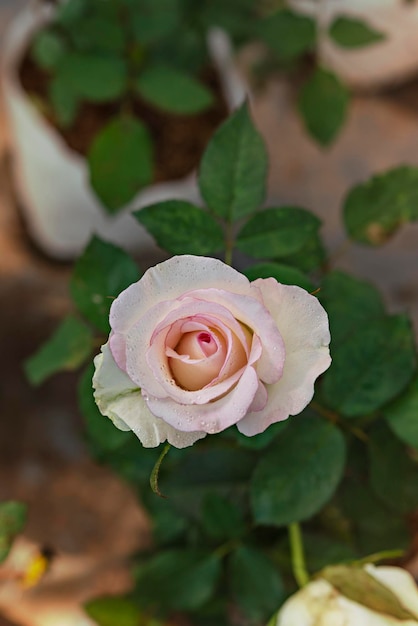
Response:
column 351, row 33
column 172, row 90
column 47, row 49
column 67, row 13
column 284, row 274
column 99, row 275
column 350, row 303
column 323, row 103
column 311, row 257
column 393, row 474
column 113, row 611
column 12, row 521
column 68, row 347
column 374, row 525
column 322, row 550
column 234, row 168
column 402, row 415
column 374, row 210
column 93, row 77
column 224, row 470
column 64, row 101
column 277, row 232
column 120, row 161
column 182, row 228
column 155, row 20
column 177, row 580
column 255, row 583
column 371, row 366
column 287, row 34
column 102, row 434
column 256, row 442
column 99, row 34
column 221, row 518
column 299, row 473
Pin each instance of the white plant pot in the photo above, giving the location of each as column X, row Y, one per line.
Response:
column 379, row 64
column 51, row 180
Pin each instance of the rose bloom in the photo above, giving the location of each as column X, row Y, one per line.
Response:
column 196, row 347
column 320, row 604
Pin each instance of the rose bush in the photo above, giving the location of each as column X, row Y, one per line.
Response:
column 195, row 348
column 320, row 604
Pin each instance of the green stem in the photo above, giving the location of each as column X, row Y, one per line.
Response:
column 297, row 555
column 156, row 471
column 384, row 555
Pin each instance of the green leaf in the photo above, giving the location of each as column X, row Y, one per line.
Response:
column 120, row 161
column 323, row 102
column 256, row 442
column 64, row 101
column 68, row 347
column 311, row 257
column 322, row 550
column 374, row 210
column 393, row 474
column 299, row 473
column 287, row 34
column 12, row 522
column 103, row 436
column 350, row 303
column 402, row 415
column 362, row 588
column 171, row 90
column 99, row 275
column 351, row 33
column 67, row 13
column 284, row 274
column 47, row 49
column 233, row 170
column 375, row 526
column 155, row 20
column 277, row 232
column 113, row 611
column 221, row 518
column 98, row 33
column 180, row 580
column 371, row 366
column 255, row 583
column 182, row 228
column 94, row 77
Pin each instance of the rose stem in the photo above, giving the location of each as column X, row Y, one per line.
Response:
column 297, row 555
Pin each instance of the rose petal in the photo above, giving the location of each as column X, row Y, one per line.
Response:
column 170, row 280
column 146, row 363
column 303, row 324
column 212, row 417
column 251, row 311
column 120, row 400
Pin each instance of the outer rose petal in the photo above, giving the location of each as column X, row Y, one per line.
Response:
column 170, row 280
column 303, row 324
column 121, row 400
column 212, row 417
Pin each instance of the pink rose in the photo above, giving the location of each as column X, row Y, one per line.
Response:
column 195, row 348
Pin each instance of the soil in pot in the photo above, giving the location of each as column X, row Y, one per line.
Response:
column 179, row 140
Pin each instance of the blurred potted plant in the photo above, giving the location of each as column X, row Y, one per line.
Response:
column 106, row 98
column 347, row 25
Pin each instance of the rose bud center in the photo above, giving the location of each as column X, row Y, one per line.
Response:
column 200, row 358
